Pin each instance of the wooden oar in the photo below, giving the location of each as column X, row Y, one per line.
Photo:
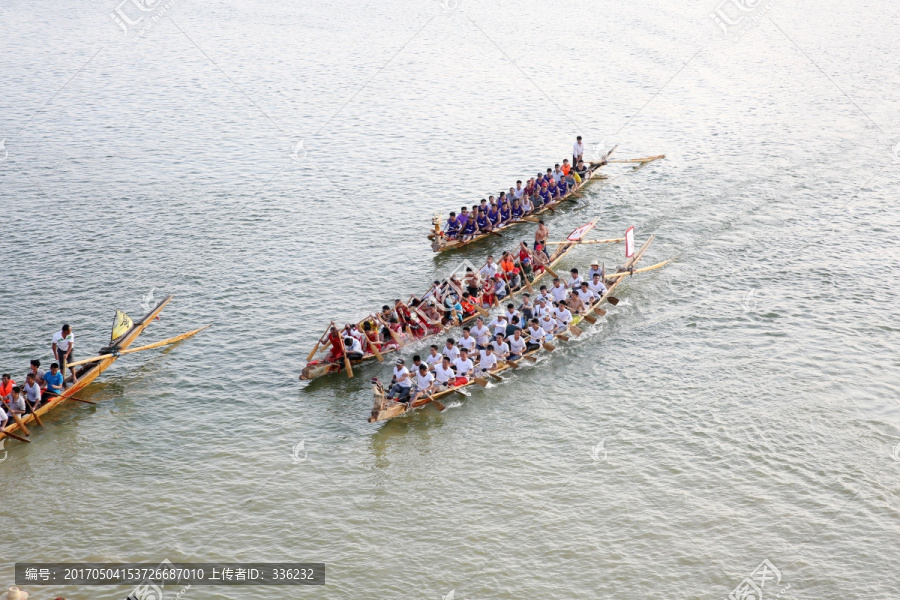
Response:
column 171, row 340
column 549, row 347
column 609, row 241
column 551, row 271
column 316, row 349
column 19, row 422
column 524, row 275
column 512, row 364
column 14, row 436
column 480, row 381
column 346, row 358
column 644, row 270
column 637, row 160
column 589, row 318
column 56, row 395
column 372, row 345
column 530, row 219
column 576, row 330
column 612, row 300
column 393, row 333
column 599, row 310
column 34, row 412
column 497, row 233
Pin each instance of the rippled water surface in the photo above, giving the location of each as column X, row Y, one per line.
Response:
column 740, row 405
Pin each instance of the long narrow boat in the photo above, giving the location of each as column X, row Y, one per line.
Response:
column 385, row 409
column 125, row 332
column 439, row 243
column 318, row 368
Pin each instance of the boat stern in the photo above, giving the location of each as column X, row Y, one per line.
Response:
column 384, row 408
column 317, row 369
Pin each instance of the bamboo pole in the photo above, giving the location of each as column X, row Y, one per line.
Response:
column 171, row 340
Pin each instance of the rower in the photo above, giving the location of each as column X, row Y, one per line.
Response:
column 575, row 304
column 575, row 279
column 581, row 169
column 558, row 291
column 15, row 402
column 354, row 348
column 596, row 285
column 466, row 342
column 5, row 419
column 453, row 308
column 541, row 308
column 586, row 295
column 470, row 229
column 548, row 324
column 511, row 312
column 557, row 173
column 515, row 324
column 484, row 205
column 535, row 335
column 527, row 308
column 541, row 260
column 516, row 210
column 530, row 188
column 482, row 334
column 563, row 315
column 545, row 294
column 563, row 186
column 566, row 167
column 595, row 269
column 505, row 212
column 487, row 361
column 417, row 362
column 443, row 373
column 334, row 337
column 553, row 190
column 62, row 346
column 35, row 369
column 546, row 197
column 464, row 365
column 577, row 151
column 517, row 345
column 400, row 382
column 53, row 381
column 6, row 386
column 527, row 206
column 451, row 229
column 498, row 324
column 519, row 191
column 548, row 176
column 501, row 348
column 482, row 221
column 463, row 217
column 493, row 215
column 450, row 349
column 424, row 384
column 540, row 236
column 434, row 357
column 500, row 290
column 490, row 268
column 32, row 391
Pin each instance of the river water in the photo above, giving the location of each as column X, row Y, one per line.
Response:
column 738, row 406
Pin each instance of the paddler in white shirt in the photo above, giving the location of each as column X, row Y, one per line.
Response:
column 586, row 295
column 443, row 374
column 450, row 349
column 536, row 335
column 501, row 348
column 574, row 280
column 548, row 324
column 498, row 324
column 424, row 384
column 516, row 345
column 558, row 291
column 434, row 357
column 563, row 316
column 464, row 365
column 596, row 285
column 466, row 342
column 482, row 334
column 488, row 361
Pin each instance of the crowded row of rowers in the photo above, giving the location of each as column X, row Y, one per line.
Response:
column 519, row 202
column 507, row 337
column 18, row 400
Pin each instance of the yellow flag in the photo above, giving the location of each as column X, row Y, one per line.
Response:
column 121, row 325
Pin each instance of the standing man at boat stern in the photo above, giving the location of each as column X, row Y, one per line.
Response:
column 63, row 345
column 577, row 150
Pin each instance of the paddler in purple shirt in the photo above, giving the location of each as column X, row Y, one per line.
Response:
column 482, row 221
column 469, row 229
column 463, row 217
column 453, row 226
column 563, row 186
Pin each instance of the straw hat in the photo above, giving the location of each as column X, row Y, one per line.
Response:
column 15, row 593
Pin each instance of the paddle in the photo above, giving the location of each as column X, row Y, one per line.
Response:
column 57, row 395
column 600, row 311
column 495, row 376
column 393, row 333
column 171, row 340
column 590, row 318
column 374, row 346
column 549, row 347
column 19, row 422
column 576, row 330
column 531, row 358
column 497, row 233
column 512, row 364
column 609, row 241
column 346, row 358
column 612, row 300
column 34, row 412
column 480, row 381
column 644, row 270
column 14, row 436
column 563, row 337
column 316, row 349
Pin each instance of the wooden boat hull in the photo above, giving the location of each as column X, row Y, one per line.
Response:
column 88, row 373
column 440, row 244
column 385, row 409
column 316, row 368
